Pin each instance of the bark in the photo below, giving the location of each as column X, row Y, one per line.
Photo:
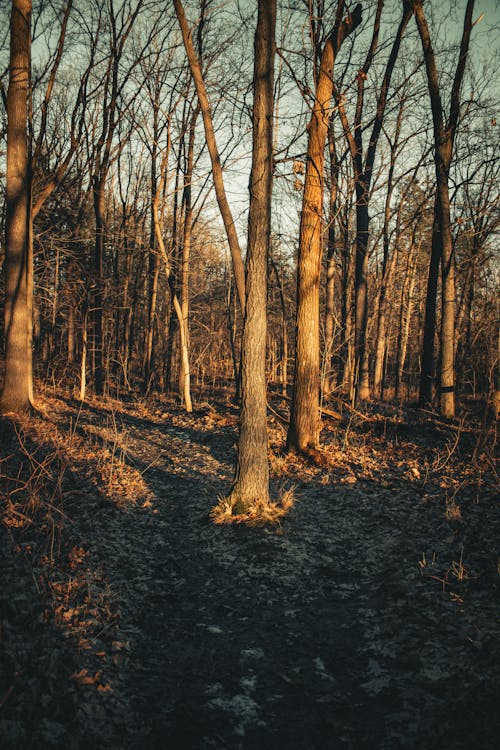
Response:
column 185, row 372
column 427, row 364
column 71, row 334
column 17, row 392
column 304, row 428
column 154, row 275
column 405, row 316
column 361, row 293
column 83, row 355
column 328, row 356
column 346, row 357
column 283, row 364
column 251, row 483
column 98, row 292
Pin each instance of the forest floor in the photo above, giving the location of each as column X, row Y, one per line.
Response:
column 368, row 618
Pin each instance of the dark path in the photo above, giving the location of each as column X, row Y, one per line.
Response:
column 369, row 620
column 322, row 634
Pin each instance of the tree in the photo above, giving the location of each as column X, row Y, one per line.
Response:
column 224, row 208
column 442, row 242
column 304, row 429
column 251, row 483
column 363, row 173
column 17, row 393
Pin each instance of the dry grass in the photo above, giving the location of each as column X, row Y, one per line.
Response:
column 97, row 452
column 259, row 513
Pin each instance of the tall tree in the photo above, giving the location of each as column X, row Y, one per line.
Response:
column 220, row 192
column 363, row 165
column 251, row 484
column 17, row 390
column 442, row 243
column 304, row 429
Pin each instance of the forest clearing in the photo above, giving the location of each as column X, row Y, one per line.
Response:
column 249, row 375
column 368, row 617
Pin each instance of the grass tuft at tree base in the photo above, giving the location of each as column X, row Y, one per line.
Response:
column 228, row 510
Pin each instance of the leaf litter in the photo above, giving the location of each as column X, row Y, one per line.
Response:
column 367, row 618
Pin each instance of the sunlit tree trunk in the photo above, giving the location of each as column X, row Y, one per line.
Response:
column 283, row 364
column 251, row 483
column 328, row 357
column 304, row 428
column 427, row 363
column 405, row 315
column 346, row 348
column 17, row 392
column 185, row 370
column 153, row 265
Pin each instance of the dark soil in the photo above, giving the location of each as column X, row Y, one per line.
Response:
column 367, row 619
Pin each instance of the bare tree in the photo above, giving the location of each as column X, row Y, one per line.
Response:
column 17, row 392
column 363, row 165
column 304, row 429
column 251, row 483
column 444, row 136
column 224, row 208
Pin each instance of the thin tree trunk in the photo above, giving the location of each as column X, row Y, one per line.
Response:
column 346, row 349
column 363, row 172
column 98, row 295
column 405, row 317
column 83, row 358
column 168, row 273
column 225, row 211
column 361, row 294
column 185, row 373
column 444, row 135
column 154, row 274
column 284, row 334
column 71, row 334
column 330, row 265
column 427, row 366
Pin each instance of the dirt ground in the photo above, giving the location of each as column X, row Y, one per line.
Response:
column 368, row 618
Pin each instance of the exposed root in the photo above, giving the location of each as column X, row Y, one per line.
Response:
column 313, row 455
column 259, row 513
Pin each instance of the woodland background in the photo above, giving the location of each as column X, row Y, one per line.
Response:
column 335, row 336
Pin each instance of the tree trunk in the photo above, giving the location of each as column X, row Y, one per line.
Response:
column 304, row 428
column 185, row 372
column 447, row 359
column 361, row 294
column 444, row 135
column 405, row 317
column 154, row 275
column 154, row 264
column 17, row 392
column 98, row 296
column 251, row 483
column 346, row 356
column 283, row 364
column 427, row 366
column 328, row 357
